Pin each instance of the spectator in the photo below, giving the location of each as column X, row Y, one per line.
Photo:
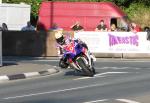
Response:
column 77, row 27
column 101, row 26
column 113, row 28
column 29, row 27
column 146, row 29
column 135, row 28
column 123, row 29
column 3, row 27
column 54, row 27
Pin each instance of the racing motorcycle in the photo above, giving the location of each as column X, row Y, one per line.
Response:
column 78, row 58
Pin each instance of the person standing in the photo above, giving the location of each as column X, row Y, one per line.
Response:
column 29, row 27
column 113, row 28
column 77, row 27
column 101, row 27
column 4, row 27
column 135, row 28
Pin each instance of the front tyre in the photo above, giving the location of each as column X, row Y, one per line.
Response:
column 87, row 71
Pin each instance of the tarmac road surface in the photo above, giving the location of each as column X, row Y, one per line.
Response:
column 116, row 81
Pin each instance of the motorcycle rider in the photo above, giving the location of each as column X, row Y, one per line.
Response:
column 63, row 40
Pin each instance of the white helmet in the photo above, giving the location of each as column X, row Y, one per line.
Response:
column 59, row 36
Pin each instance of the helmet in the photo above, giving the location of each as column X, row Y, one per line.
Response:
column 59, row 37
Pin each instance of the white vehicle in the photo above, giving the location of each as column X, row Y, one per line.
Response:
column 15, row 16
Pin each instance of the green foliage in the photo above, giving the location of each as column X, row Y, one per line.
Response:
column 139, row 13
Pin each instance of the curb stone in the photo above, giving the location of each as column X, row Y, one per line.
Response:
column 28, row 75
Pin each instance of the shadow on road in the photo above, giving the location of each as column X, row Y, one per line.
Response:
column 73, row 73
column 9, row 64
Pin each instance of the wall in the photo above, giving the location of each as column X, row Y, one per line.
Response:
column 18, row 43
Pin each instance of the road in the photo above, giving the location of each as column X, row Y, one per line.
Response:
column 116, row 81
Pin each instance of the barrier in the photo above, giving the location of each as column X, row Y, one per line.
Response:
column 1, row 48
column 115, row 42
column 19, row 43
column 102, row 44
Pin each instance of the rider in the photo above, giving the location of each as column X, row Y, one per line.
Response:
column 63, row 40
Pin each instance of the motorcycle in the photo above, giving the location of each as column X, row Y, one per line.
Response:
column 78, row 57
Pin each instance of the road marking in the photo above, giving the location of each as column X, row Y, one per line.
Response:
column 118, row 68
column 57, row 91
column 123, row 60
column 105, row 73
column 82, row 78
column 97, row 101
column 100, row 75
column 127, row 101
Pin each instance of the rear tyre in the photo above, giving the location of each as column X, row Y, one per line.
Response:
column 63, row 64
column 85, row 68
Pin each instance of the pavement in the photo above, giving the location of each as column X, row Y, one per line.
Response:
column 17, row 70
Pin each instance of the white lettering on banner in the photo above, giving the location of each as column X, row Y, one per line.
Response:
column 115, row 42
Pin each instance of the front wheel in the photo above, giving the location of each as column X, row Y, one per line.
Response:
column 87, row 71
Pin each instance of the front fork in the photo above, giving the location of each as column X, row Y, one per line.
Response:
column 87, row 53
column 74, row 65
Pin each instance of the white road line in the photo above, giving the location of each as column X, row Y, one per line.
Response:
column 97, row 101
column 122, row 60
column 117, row 68
column 105, row 73
column 57, row 91
column 82, row 78
column 127, row 101
column 100, row 75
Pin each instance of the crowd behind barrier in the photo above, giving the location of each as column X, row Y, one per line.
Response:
column 102, row 27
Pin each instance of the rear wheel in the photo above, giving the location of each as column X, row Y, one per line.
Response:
column 63, row 64
column 87, row 71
